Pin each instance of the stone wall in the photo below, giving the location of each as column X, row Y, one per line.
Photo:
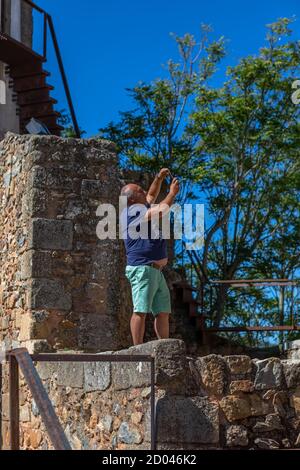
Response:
column 60, row 284
column 209, row 402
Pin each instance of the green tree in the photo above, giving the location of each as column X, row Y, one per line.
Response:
column 152, row 134
column 248, row 164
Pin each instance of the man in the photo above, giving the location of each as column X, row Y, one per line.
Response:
column 147, row 255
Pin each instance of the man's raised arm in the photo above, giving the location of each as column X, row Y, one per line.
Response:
column 155, row 187
column 163, row 207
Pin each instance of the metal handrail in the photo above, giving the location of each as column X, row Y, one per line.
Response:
column 21, row 358
column 238, row 283
column 48, row 22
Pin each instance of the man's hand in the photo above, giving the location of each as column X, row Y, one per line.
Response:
column 164, row 172
column 174, row 188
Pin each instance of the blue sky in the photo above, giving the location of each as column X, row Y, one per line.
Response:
column 109, row 45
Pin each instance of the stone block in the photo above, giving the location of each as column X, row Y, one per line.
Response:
column 236, row 436
column 130, row 374
column 35, row 264
column 239, row 364
column 97, row 332
column 46, row 370
column 291, row 369
column 96, row 376
column 24, row 413
column 37, row 177
column 129, row 434
column 91, row 298
column 269, row 374
column 266, row 444
column 91, row 189
column 70, row 374
column 175, row 415
column 295, row 401
column 212, row 370
column 26, row 327
column 245, row 386
column 272, row 423
column 243, row 406
column 51, row 234
column 49, row 293
column 170, row 362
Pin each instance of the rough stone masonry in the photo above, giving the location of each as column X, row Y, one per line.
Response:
column 61, row 287
column 209, row 402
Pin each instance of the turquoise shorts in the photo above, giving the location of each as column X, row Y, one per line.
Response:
column 150, row 293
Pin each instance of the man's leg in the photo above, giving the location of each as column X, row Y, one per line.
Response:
column 161, row 325
column 137, row 326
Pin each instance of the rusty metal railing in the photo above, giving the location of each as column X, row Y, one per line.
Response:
column 48, row 24
column 238, row 283
column 21, row 359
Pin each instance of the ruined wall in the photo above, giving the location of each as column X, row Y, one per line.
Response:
column 60, row 284
column 209, row 402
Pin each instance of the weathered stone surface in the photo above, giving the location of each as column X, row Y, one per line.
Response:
column 35, row 438
column 97, row 332
column 25, row 327
column 240, row 407
column 91, row 298
column 96, row 376
column 266, row 443
column 239, row 364
column 212, row 370
column 269, row 374
column 170, row 362
column 175, row 415
column 127, row 374
column 235, row 408
column 35, row 264
column 106, row 423
column 291, row 370
column 295, row 401
column 49, row 293
column 70, row 374
column 51, row 234
column 236, row 436
column 24, row 413
column 272, row 423
column 128, row 434
column 245, row 386
column 294, row 350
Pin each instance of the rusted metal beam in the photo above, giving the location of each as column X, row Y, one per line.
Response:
column 34, row 6
column 253, row 328
column 1, row 439
column 63, row 76
column 152, row 406
column 53, row 427
column 14, row 424
column 52, row 424
column 52, row 357
column 278, row 282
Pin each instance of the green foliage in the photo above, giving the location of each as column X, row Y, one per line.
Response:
column 65, row 121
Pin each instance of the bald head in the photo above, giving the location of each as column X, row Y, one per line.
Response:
column 134, row 193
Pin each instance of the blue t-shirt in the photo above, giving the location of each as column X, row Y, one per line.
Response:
column 143, row 239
